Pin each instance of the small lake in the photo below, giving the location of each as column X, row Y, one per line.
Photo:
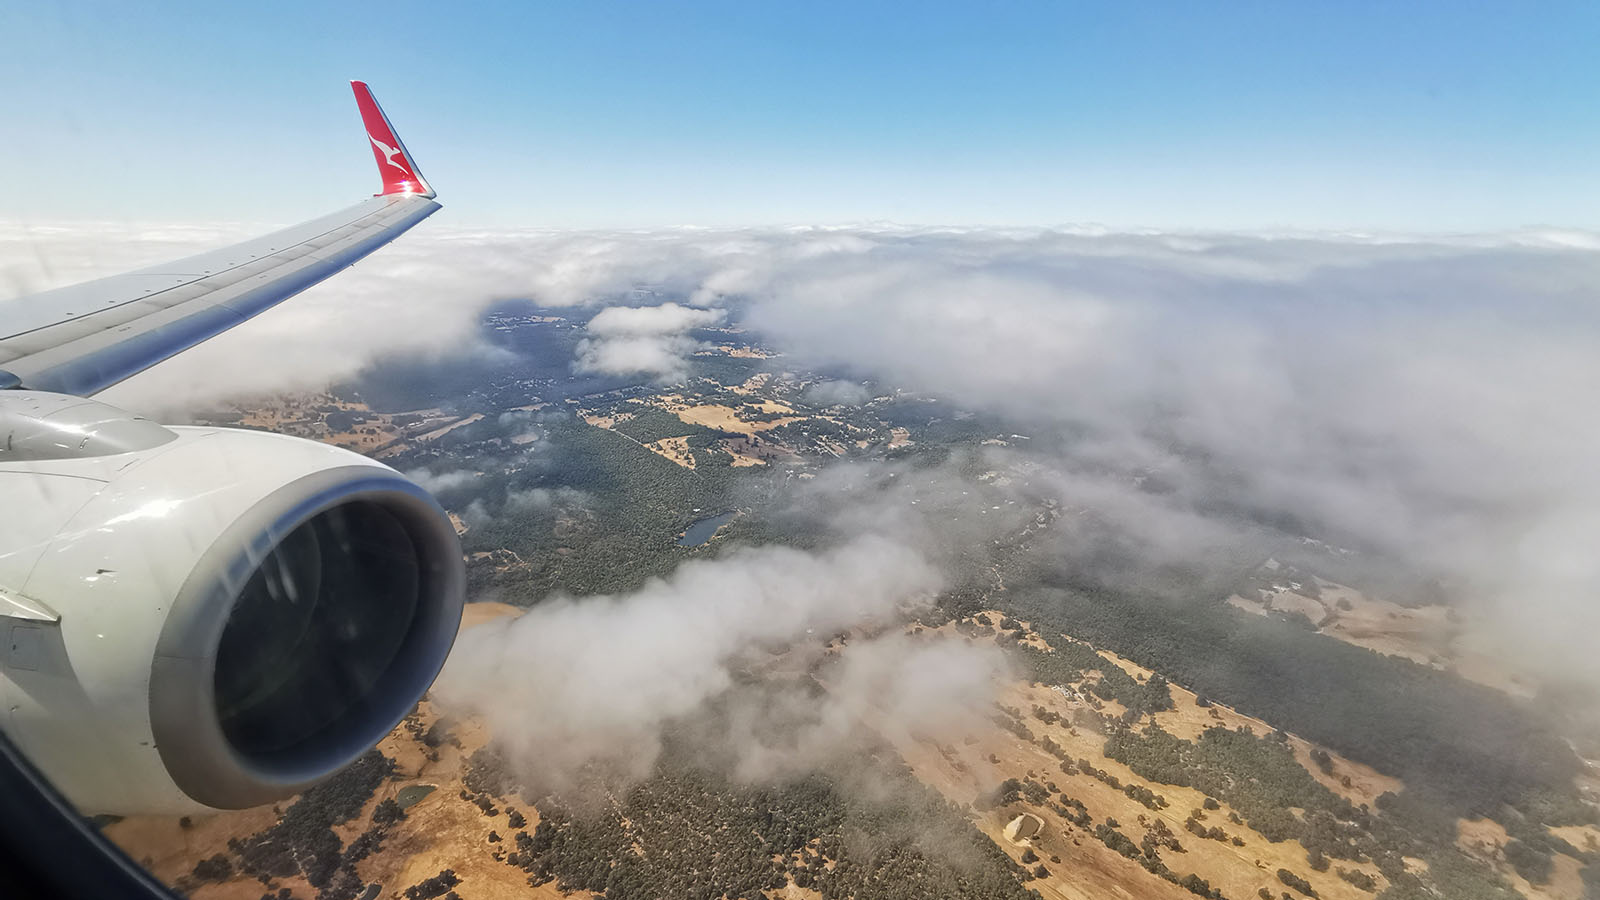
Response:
column 701, row 531
column 408, row 796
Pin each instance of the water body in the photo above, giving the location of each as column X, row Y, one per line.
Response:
column 701, row 531
column 411, row 793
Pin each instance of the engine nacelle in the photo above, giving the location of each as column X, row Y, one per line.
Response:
column 207, row 617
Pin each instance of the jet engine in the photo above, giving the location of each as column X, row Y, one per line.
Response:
column 196, row 617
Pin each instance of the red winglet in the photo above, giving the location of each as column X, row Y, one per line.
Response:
column 399, row 172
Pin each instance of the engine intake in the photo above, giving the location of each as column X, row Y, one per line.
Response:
column 261, row 688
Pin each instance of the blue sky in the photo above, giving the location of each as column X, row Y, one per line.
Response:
column 1402, row 116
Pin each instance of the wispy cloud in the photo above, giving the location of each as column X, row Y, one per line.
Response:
column 571, row 684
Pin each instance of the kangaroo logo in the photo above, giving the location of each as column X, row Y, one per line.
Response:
column 391, row 156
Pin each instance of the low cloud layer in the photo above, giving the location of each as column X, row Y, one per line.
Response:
column 1416, row 399
column 1424, row 399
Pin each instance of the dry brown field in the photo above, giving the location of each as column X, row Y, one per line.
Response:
column 443, row 831
column 675, row 449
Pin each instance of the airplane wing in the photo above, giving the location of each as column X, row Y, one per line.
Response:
column 84, row 338
column 149, row 574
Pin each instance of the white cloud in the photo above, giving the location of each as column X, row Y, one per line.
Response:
column 441, row 480
column 573, row 683
column 651, row 321
column 648, row 340
column 547, row 498
column 837, row 393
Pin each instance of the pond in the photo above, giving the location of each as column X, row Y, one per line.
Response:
column 701, row 531
column 408, row 796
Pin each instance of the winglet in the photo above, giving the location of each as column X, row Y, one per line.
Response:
column 399, row 172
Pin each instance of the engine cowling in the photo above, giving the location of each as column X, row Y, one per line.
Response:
column 207, row 617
